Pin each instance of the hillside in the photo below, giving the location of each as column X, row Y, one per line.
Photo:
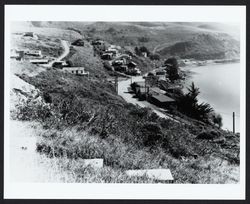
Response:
column 165, row 38
column 203, row 47
column 105, row 123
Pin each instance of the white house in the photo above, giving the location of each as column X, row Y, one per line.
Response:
column 75, row 70
column 36, row 53
column 39, row 61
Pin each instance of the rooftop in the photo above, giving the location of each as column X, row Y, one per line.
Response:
column 163, row 98
column 157, row 90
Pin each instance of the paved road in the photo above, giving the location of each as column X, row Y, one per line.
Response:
column 123, row 92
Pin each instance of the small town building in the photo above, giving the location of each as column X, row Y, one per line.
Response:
column 156, row 90
column 134, row 71
column 162, row 101
column 112, row 52
column 39, row 61
column 59, row 64
column 142, row 92
column 17, row 54
column 107, row 56
column 119, row 62
column 78, row 42
column 132, row 65
column 98, row 42
column 115, row 47
column 28, row 34
column 140, row 83
column 76, row 70
column 160, row 72
column 99, row 45
column 121, row 68
column 36, row 53
column 144, row 54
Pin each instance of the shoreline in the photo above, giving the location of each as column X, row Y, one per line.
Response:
column 199, row 63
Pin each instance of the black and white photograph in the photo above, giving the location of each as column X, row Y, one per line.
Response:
column 125, row 101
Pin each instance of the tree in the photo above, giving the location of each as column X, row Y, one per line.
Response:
column 172, row 69
column 144, row 49
column 154, row 57
column 188, row 104
column 137, row 51
column 172, row 61
column 217, row 120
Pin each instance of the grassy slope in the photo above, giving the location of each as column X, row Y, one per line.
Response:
column 84, row 56
column 118, row 133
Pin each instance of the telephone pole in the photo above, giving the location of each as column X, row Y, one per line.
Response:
column 233, row 122
column 116, row 83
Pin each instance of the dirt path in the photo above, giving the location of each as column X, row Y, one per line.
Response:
column 26, row 165
column 63, row 55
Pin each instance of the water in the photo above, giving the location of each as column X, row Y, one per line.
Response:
column 219, row 85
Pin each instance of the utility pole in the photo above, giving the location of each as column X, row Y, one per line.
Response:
column 233, row 122
column 116, row 83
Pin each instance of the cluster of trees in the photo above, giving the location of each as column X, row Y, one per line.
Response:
column 143, row 49
column 140, row 50
column 172, row 69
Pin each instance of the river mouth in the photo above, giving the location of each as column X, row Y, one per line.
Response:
column 219, row 85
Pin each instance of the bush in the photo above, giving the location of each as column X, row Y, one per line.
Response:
column 78, row 42
column 108, row 66
column 151, row 133
column 143, row 39
column 208, row 135
column 154, row 57
column 32, row 109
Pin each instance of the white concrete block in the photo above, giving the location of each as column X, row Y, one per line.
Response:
column 157, row 174
column 95, row 163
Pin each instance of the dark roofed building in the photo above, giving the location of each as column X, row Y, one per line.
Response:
column 78, row 42
column 162, row 101
column 131, row 65
column 28, row 34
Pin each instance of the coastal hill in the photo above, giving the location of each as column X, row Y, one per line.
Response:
column 187, row 40
column 204, row 47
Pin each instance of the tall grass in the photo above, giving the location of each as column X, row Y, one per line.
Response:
column 86, row 119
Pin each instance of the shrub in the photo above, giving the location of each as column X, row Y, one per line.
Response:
column 143, row 39
column 151, row 133
column 154, row 57
column 32, row 109
column 208, row 135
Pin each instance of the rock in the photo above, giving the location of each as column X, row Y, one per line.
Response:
column 157, row 174
column 95, row 163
